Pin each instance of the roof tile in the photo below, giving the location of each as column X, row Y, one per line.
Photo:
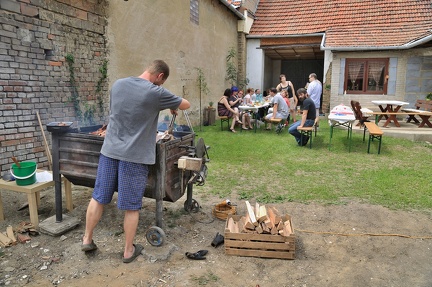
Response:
column 347, row 23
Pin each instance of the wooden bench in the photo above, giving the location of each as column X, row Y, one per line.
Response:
column 279, row 122
column 226, row 120
column 307, row 131
column 374, row 133
column 423, row 115
column 423, row 109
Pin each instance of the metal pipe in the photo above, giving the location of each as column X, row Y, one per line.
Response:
column 240, row 15
column 57, row 177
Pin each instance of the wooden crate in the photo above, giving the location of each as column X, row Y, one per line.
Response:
column 259, row 245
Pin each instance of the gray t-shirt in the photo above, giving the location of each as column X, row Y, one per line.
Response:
column 282, row 106
column 135, row 105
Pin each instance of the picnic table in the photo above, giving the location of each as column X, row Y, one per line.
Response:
column 423, row 110
column 341, row 116
column 388, row 109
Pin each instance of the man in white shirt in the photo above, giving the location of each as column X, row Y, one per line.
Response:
column 314, row 91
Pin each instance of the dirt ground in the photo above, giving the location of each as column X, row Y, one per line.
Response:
column 322, row 259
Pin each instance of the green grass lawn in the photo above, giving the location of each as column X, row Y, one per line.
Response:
column 270, row 168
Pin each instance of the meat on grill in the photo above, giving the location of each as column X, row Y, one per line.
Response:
column 100, row 132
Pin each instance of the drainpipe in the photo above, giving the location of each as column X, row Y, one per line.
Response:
column 231, row 7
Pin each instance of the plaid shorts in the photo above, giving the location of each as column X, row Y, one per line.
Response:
column 128, row 178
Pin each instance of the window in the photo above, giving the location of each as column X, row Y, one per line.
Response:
column 194, row 12
column 366, row 76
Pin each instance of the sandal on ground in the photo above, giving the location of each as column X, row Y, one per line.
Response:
column 88, row 247
column 250, row 128
column 138, row 249
column 233, row 130
column 199, row 255
column 218, row 240
column 245, row 128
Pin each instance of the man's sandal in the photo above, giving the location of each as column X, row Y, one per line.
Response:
column 88, row 247
column 138, row 249
column 199, row 255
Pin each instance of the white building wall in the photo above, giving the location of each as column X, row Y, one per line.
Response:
column 255, row 64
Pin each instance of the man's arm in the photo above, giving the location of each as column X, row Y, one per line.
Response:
column 275, row 107
column 304, row 117
column 184, row 105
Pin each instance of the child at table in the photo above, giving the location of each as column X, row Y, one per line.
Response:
column 247, row 99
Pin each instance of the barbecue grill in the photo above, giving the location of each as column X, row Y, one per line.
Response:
column 75, row 154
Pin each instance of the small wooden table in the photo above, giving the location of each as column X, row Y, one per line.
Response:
column 33, row 195
column 390, row 107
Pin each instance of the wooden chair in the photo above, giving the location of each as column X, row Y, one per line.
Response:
column 358, row 113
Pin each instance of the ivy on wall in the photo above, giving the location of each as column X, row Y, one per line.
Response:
column 85, row 111
column 104, row 75
column 74, row 98
column 231, row 70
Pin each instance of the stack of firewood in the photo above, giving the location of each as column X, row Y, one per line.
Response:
column 261, row 220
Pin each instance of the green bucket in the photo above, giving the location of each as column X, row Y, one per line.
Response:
column 26, row 174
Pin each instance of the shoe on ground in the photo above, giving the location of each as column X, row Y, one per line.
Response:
column 137, row 251
column 88, row 247
column 218, row 240
column 199, row 255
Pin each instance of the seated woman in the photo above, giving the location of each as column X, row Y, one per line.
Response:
column 224, row 108
column 246, row 119
column 235, row 101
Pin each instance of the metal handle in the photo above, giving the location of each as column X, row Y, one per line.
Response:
column 171, row 125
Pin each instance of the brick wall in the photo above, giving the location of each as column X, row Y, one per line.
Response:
column 241, row 58
column 35, row 38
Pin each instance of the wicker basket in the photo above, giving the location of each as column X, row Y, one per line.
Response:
column 223, row 209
